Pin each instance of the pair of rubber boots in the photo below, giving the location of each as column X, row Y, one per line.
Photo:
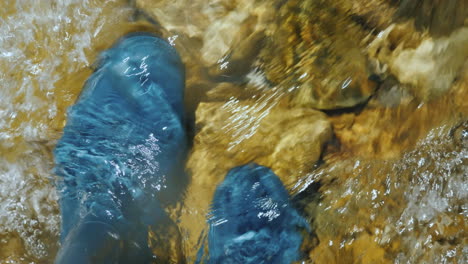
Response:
column 121, row 159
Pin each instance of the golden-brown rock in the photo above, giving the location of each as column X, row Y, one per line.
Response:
column 267, row 133
column 215, row 23
column 316, row 49
column 316, row 46
column 383, row 210
column 385, row 193
column 313, row 46
column 364, row 250
column 428, row 65
column 387, row 132
column 440, row 17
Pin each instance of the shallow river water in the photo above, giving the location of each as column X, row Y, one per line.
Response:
column 363, row 116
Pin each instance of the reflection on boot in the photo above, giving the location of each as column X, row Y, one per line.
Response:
column 252, row 220
column 120, row 159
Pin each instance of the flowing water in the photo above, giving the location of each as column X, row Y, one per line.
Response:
column 384, row 180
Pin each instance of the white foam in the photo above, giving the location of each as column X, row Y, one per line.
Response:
column 41, row 42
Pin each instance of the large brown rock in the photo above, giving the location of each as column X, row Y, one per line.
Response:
column 310, row 48
column 289, row 140
column 315, row 49
column 214, row 23
column 315, row 46
column 428, row 65
column 440, row 17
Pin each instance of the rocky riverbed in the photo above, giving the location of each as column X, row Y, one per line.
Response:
column 360, row 107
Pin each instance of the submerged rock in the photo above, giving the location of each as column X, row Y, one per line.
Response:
column 311, row 44
column 429, row 66
column 405, row 208
column 390, row 130
column 316, row 45
column 439, row 17
column 120, row 159
column 315, row 50
column 288, row 140
column 214, row 23
column 252, row 220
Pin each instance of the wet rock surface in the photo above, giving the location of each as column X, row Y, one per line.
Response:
column 439, row 17
column 316, row 45
column 421, row 231
column 398, row 163
column 385, row 139
column 317, row 50
column 428, row 65
column 252, row 131
column 214, row 24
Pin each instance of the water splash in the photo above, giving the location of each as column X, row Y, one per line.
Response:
column 46, row 48
column 412, row 206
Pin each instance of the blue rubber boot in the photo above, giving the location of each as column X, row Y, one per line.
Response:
column 252, row 220
column 121, row 157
